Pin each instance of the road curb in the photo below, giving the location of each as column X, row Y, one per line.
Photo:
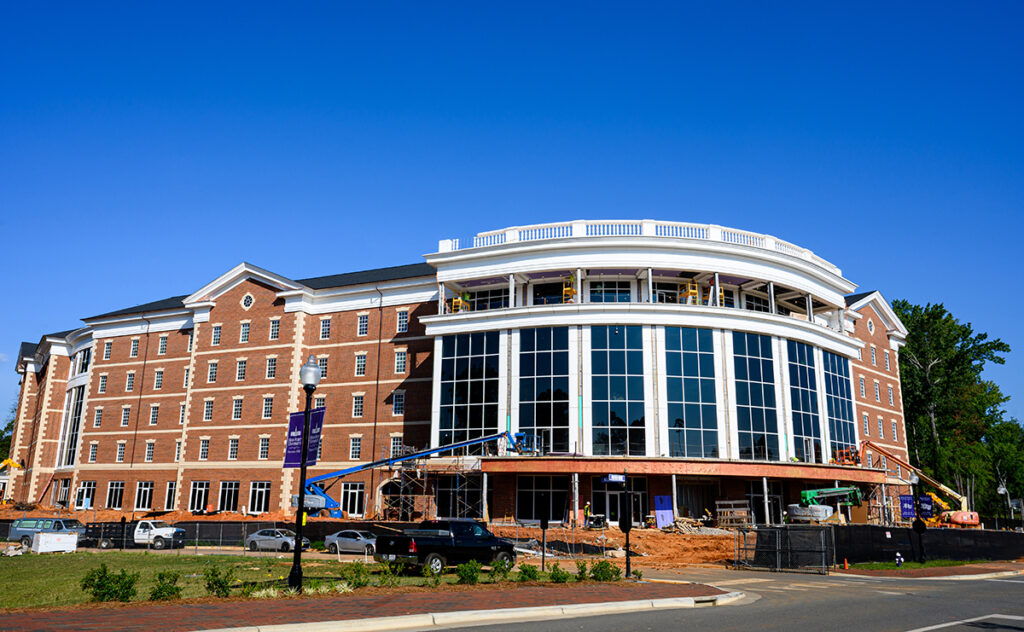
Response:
column 502, row 615
column 947, row 578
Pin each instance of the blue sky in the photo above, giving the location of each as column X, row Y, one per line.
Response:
column 144, row 150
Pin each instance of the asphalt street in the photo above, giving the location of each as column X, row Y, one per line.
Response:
column 787, row 601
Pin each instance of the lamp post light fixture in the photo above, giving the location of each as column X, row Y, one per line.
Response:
column 309, row 375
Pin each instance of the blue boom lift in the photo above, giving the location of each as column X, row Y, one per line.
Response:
column 520, row 442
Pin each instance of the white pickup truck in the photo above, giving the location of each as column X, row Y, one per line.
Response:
column 155, row 534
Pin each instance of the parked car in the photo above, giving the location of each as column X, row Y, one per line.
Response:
column 440, row 543
column 144, row 533
column 273, row 540
column 23, row 529
column 351, row 542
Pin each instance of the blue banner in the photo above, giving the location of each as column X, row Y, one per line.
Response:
column 293, row 448
column 906, row 506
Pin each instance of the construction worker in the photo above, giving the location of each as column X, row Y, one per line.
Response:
column 586, row 513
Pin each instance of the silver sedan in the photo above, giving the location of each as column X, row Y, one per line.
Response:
column 351, row 541
column 273, row 540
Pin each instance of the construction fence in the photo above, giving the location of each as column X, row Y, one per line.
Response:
column 871, row 543
column 808, row 548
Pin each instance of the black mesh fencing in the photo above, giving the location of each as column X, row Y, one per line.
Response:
column 871, row 543
column 806, row 548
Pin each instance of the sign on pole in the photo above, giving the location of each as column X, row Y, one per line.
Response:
column 906, row 506
column 614, row 478
column 293, row 448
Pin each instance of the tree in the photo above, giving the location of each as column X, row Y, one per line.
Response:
column 7, row 433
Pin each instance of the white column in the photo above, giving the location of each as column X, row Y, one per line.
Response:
column 771, row 297
column 819, row 374
column 728, row 440
column 575, row 496
column 717, row 290
column 485, row 510
column 650, row 285
column 660, row 378
column 435, row 406
column 764, row 486
column 784, row 406
column 575, row 445
column 651, row 429
column 585, row 384
column 511, row 290
column 504, row 354
column 675, row 499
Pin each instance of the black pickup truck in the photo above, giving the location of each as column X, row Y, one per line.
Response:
column 439, row 543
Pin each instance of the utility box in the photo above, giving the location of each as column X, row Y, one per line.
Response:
column 55, row 543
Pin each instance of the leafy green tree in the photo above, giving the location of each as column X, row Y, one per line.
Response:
column 7, row 432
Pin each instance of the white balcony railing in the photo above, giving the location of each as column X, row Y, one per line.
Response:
column 644, row 228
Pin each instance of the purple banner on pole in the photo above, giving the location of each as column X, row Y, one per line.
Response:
column 293, row 448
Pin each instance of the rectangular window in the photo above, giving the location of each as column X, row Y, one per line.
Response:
column 803, row 389
column 215, row 337
column 106, row 349
column 154, row 414
column 150, row 449
column 208, row 410
column 756, row 303
column 887, row 361
column 271, row 368
column 609, row 292
column 755, row 397
column 839, row 403
column 120, row 452
column 617, row 379
column 690, row 382
column 97, row 417
column 322, row 363
column 891, row 401
column 103, row 384
column 86, row 496
column 177, row 451
column 259, row 497
column 548, row 294
column 191, row 338
column 357, row 405
column 469, row 388
column 211, row 372
column 162, row 347
column 204, row 449
column 232, row 449
column 398, row 403
column 268, row 407
column 866, row 424
column 325, row 328
column 363, row 326
column 143, row 495
column 894, row 435
column 275, row 329
column 129, row 382
column 403, row 321
column 458, row 496
column 396, row 446
column 863, row 393
column 185, row 381
column 134, row 353
column 878, row 395
column 199, row 496
column 158, row 380
column 126, row 414
column 881, row 429
column 873, row 359
column 172, row 488
column 115, row 494
column 400, row 358
column 181, row 414
column 361, row 364
column 264, row 448
column 540, row 497
column 544, row 386
column 93, row 450
column 352, row 499
column 228, row 500
column 480, row 301
column 885, row 466
column 240, row 370
column 243, row 333
column 355, row 448
column 236, row 408
column 319, row 402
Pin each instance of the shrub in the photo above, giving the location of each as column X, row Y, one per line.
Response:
column 639, row 574
column 528, row 573
column 581, row 571
column 342, row 587
column 248, row 590
column 605, row 571
column 217, row 581
column 558, row 575
column 390, row 573
column 266, row 593
column 106, row 586
column 500, row 570
column 166, row 587
column 469, row 573
column 356, row 574
column 430, row 577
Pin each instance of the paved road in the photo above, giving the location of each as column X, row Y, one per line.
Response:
column 785, row 601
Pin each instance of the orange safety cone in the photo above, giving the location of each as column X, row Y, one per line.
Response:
column 846, row 565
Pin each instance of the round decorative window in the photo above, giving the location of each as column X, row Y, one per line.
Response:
column 247, row 301
column 871, row 326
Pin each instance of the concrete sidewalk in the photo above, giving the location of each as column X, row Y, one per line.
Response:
column 374, row 609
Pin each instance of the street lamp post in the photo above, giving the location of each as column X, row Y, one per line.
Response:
column 309, row 375
column 918, row 526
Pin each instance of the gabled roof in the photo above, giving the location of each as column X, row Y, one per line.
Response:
column 378, row 275
column 236, row 275
column 174, row 302
column 854, row 298
column 893, row 323
column 27, row 349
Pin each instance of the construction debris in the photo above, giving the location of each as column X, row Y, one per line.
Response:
column 690, row 526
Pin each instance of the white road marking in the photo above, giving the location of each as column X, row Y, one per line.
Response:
column 963, row 621
column 752, row 580
column 889, row 592
column 1007, row 581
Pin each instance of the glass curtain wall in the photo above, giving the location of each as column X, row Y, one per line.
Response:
column 690, row 380
column 803, row 395
column 839, row 400
column 469, row 388
column 544, row 386
column 617, row 380
column 756, row 421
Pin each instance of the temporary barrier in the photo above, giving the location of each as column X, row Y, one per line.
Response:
column 808, row 548
column 871, row 543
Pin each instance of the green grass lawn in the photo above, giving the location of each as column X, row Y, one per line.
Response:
column 878, row 566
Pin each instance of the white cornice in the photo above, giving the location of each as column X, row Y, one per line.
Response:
column 236, row 275
column 893, row 325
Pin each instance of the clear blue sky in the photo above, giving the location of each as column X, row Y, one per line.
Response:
column 144, row 150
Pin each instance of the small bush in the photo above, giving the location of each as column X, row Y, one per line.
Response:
column 581, row 571
column 605, row 571
column 528, row 573
column 430, row 577
column 469, row 573
column 248, row 590
column 356, row 575
column 318, row 545
column 558, row 575
column 218, row 581
column 342, row 587
column 390, row 574
column 106, row 586
column 639, row 574
column 166, row 587
column 500, row 570
column 266, row 593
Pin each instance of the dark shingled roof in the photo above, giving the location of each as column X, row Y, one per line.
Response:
column 27, row 349
column 853, row 298
column 175, row 302
column 369, row 276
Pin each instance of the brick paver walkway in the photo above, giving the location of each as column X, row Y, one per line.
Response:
column 237, row 613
